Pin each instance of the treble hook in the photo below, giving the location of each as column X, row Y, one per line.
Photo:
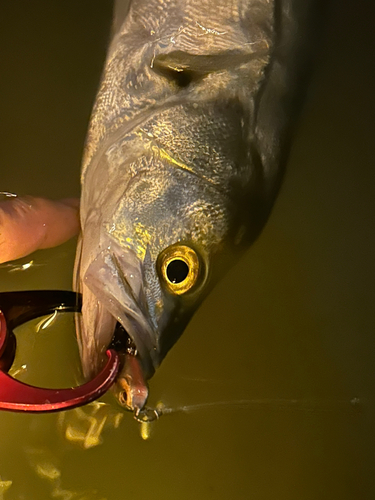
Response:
column 17, row 308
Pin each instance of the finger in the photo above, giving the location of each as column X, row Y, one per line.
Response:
column 28, row 224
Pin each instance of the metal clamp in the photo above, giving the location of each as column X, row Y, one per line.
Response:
column 17, row 308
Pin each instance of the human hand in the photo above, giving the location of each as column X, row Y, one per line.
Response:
column 28, row 223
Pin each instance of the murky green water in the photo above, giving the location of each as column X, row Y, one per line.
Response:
column 284, row 343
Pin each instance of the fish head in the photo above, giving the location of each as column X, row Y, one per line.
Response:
column 153, row 246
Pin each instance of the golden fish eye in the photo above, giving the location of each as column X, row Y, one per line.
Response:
column 179, row 268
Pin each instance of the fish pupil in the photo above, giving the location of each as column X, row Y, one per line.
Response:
column 177, row 271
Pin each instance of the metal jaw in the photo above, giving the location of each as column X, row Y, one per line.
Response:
column 17, row 308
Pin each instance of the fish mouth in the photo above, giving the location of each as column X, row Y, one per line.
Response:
column 114, row 280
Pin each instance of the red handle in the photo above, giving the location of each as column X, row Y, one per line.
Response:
column 17, row 396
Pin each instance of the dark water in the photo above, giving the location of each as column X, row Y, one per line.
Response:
column 285, row 343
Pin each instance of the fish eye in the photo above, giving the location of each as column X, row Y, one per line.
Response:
column 179, row 267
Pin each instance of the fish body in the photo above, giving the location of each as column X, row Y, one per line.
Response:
column 184, row 156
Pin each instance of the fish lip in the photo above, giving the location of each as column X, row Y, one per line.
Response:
column 115, row 278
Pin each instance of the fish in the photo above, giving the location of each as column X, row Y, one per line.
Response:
column 184, row 157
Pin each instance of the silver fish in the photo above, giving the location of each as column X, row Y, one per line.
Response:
column 184, row 156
